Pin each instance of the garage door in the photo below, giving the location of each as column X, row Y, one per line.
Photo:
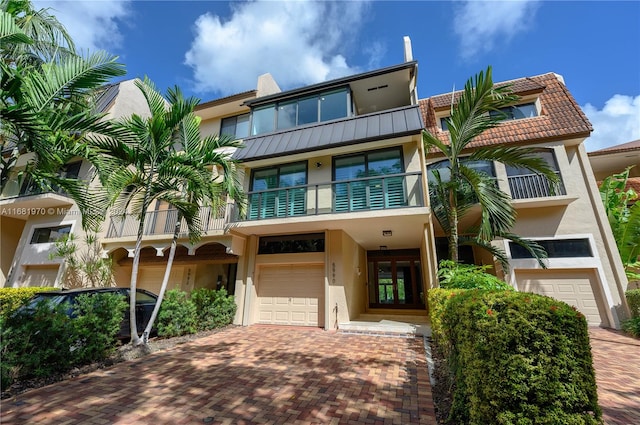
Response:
column 291, row 295
column 40, row 276
column 150, row 278
column 574, row 287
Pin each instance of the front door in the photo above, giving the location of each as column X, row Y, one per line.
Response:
column 395, row 279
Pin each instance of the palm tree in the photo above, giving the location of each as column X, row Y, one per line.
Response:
column 46, row 106
column 476, row 111
column 163, row 158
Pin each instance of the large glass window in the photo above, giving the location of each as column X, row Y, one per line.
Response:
column 237, row 126
column 50, row 234
column 276, row 191
column 359, row 192
column 322, row 107
column 263, row 120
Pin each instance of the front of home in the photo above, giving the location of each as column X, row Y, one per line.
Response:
column 337, row 226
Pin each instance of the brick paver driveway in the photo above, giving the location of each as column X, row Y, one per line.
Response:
column 616, row 359
column 247, row 375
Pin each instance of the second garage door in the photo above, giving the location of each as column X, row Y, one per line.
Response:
column 574, row 287
column 291, row 295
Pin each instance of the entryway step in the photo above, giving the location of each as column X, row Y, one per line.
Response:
column 386, row 328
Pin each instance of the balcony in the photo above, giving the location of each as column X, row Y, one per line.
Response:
column 163, row 223
column 534, row 190
column 20, row 201
column 344, row 196
column 526, row 186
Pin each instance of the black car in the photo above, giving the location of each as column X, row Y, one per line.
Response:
column 145, row 302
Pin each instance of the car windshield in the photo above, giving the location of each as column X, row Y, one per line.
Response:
column 141, row 297
column 53, row 299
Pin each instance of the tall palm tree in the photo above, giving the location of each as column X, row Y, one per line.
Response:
column 163, row 158
column 476, row 111
column 45, row 106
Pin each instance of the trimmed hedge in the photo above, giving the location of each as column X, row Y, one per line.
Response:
column 633, row 299
column 12, row 299
column 214, row 309
column 177, row 315
column 517, row 358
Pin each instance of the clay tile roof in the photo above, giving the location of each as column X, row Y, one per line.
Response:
column 625, row 147
column 560, row 117
column 633, row 183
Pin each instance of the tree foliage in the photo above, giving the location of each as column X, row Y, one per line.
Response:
column 623, row 213
column 477, row 110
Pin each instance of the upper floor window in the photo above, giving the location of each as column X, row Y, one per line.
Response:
column 305, row 110
column 236, row 126
column 361, row 192
column 516, row 112
column 50, row 234
column 443, row 124
column 443, row 168
column 525, row 184
column 278, row 191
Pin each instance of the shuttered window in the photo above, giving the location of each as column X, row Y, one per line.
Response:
column 359, row 191
column 276, row 192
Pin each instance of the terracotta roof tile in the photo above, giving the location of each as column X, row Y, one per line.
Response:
column 625, row 147
column 560, row 117
column 633, row 183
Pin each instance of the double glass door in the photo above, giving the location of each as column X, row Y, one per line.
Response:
column 395, row 282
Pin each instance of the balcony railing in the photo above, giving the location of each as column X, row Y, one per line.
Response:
column 13, row 190
column 526, row 186
column 363, row 194
column 164, row 222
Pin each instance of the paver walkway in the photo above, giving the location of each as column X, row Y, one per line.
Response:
column 246, row 376
column 616, row 359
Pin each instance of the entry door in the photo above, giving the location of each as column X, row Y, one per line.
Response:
column 395, row 283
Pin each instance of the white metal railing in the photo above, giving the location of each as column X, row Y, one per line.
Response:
column 163, row 222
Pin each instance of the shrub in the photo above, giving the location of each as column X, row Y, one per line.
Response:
column 633, row 299
column 214, row 309
column 438, row 298
column 632, row 326
column 37, row 343
column 12, row 299
column 177, row 315
column 98, row 321
column 518, row 358
column 468, row 276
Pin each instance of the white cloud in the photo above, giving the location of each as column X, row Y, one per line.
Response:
column 617, row 122
column 93, row 25
column 481, row 24
column 298, row 42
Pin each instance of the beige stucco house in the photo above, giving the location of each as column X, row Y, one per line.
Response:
column 32, row 219
column 338, row 228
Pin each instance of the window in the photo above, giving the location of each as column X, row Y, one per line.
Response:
column 443, row 124
column 556, row 248
column 291, row 113
column 266, row 201
column 516, row 112
column 465, row 252
column 50, row 234
column 525, row 184
column 237, row 126
column 359, row 192
column 443, row 168
column 312, row 242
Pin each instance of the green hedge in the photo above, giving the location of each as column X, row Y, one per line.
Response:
column 517, row 358
column 13, row 298
column 633, row 299
column 214, row 309
column 177, row 315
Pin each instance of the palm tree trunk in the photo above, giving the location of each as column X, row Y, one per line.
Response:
column 453, row 220
column 165, row 280
column 133, row 326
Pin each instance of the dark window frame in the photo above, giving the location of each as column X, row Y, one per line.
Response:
column 366, row 159
column 235, row 125
column 39, row 233
column 553, row 248
column 288, row 242
column 278, row 168
column 507, row 113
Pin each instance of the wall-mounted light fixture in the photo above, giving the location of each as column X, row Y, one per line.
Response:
column 383, row 247
column 318, row 164
column 387, row 233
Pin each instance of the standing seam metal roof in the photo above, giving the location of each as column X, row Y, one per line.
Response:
column 396, row 122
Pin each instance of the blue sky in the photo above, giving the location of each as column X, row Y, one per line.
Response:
column 214, row 48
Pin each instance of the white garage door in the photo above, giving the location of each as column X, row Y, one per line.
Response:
column 291, row 295
column 150, row 278
column 574, row 287
column 40, row 276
